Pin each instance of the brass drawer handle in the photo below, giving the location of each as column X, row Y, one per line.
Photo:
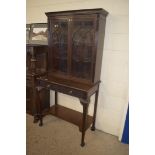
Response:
column 70, row 92
column 33, row 60
column 48, row 86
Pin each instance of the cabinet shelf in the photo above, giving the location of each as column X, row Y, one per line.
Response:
column 69, row 115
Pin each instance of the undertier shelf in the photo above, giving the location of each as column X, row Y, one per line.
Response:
column 70, row 115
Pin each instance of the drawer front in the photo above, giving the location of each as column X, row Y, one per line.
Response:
column 64, row 89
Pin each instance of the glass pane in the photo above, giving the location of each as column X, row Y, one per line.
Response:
column 59, row 39
column 82, row 48
column 39, row 33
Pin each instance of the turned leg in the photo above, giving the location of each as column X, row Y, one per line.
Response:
column 40, row 113
column 95, row 110
column 34, row 102
column 36, row 107
column 84, row 120
column 39, row 105
column 36, row 116
column 33, row 70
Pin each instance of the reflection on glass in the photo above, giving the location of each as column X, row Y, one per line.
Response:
column 39, row 34
column 59, row 44
column 82, row 45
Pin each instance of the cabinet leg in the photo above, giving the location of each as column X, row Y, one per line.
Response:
column 56, row 98
column 38, row 100
column 84, row 121
column 35, row 119
column 34, row 102
column 41, row 120
column 95, row 110
column 40, row 114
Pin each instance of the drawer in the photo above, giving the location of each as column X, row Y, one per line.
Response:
column 63, row 89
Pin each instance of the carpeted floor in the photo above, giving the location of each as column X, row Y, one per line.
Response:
column 58, row 137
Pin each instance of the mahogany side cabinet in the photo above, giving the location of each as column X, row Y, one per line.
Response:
column 36, row 66
column 75, row 41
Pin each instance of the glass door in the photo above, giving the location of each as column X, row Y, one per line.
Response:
column 59, row 43
column 82, row 47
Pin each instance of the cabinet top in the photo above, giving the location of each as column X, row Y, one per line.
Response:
column 79, row 12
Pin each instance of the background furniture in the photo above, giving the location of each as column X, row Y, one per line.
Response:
column 36, row 65
column 36, row 33
column 74, row 62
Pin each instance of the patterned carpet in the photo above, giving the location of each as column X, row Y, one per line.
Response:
column 58, row 137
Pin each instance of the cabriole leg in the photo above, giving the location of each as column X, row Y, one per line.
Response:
column 85, row 104
column 95, row 110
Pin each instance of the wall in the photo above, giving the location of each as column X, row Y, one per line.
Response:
column 113, row 96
